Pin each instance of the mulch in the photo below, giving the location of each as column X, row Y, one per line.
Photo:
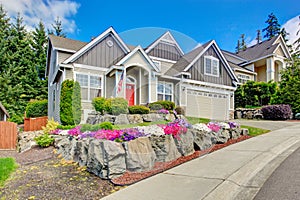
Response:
column 129, row 178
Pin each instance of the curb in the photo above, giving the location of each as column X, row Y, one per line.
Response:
column 246, row 182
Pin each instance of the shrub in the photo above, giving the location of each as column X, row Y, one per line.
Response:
column 37, row 108
column 116, row 106
column 50, row 126
column 44, row 140
column 106, row 126
column 65, row 127
column 179, row 110
column 16, row 119
column 169, row 105
column 154, row 106
column 277, row 112
column 70, row 103
column 138, row 109
column 297, row 116
column 99, row 104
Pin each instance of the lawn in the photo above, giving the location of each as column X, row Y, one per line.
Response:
column 255, row 131
column 7, row 166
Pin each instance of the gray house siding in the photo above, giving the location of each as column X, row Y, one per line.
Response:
column 197, row 70
column 61, row 56
column 102, row 54
column 166, row 51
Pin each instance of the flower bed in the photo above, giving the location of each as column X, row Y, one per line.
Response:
column 111, row 153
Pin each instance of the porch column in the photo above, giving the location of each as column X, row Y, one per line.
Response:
column 270, row 69
column 149, row 87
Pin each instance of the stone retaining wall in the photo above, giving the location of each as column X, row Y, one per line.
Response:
column 108, row 159
column 245, row 113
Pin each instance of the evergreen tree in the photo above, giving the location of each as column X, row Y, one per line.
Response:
column 238, row 47
column 4, row 36
column 297, row 41
column 243, row 43
column 258, row 37
column 58, row 28
column 284, row 34
column 273, row 28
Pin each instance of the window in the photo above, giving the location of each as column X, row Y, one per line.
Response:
column 157, row 63
column 164, row 91
column 243, row 78
column 90, row 86
column 211, row 66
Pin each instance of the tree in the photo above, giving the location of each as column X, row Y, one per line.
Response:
column 258, row 37
column 288, row 92
column 243, row 43
column 58, row 28
column 273, row 27
column 4, row 34
column 238, row 47
column 297, row 41
column 284, row 34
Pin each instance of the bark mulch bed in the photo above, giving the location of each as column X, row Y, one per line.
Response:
column 129, row 178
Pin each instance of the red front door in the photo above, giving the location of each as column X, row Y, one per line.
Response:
column 130, row 94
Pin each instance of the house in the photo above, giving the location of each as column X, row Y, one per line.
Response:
column 201, row 81
column 260, row 62
column 3, row 113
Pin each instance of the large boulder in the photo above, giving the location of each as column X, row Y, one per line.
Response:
column 185, row 143
column 84, row 148
column 64, row 147
column 164, row 148
column 95, row 162
column 223, row 136
column 202, row 139
column 140, row 155
column 235, row 133
column 121, row 119
column 135, row 119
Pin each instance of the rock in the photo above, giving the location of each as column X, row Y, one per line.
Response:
column 64, row 147
column 121, row 119
column 213, row 137
column 169, row 117
column 202, row 140
column 238, row 114
column 244, row 131
column 164, row 148
column 26, row 140
column 156, row 117
column 223, row 136
column 235, row 133
column 147, row 118
column 109, row 118
column 95, row 161
column 135, row 119
column 185, row 143
column 140, row 155
column 249, row 115
column 84, row 148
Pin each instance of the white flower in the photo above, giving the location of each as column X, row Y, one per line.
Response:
column 201, row 127
column 151, row 130
column 224, row 125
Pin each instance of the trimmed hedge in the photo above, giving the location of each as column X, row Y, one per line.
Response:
column 155, row 107
column 37, row 108
column 116, row 106
column 168, row 105
column 138, row 109
column 70, row 103
column 277, row 112
column 99, row 104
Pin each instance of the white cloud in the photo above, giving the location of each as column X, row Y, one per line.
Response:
column 33, row 11
column 291, row 27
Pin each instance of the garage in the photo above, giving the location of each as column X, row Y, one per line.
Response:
column 207, row 105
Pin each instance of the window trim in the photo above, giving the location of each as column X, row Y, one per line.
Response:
column 164, row 92
column 89, row 87
column 245, row 78
column 211, row 58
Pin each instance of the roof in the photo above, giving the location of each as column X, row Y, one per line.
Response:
column 3, row 109
column 65, row 43
column 262, row 49
column 185, row 60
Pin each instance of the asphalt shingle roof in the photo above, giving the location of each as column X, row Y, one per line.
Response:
column 65, row 43
column 185, row 60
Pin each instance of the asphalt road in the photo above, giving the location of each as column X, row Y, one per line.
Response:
column 284, row 183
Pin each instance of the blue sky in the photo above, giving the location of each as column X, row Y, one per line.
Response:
column 197, row 20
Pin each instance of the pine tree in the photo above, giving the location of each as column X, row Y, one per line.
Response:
column 238, row 47
column 284, row 34
column 4, row 36
column 58, row 28
column 258, row 37
column 273, row 28
column 243, row 43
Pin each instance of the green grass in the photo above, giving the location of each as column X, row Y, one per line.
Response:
column 7, row 166
column 123, row 126
column 195, row 120
column 253, row 131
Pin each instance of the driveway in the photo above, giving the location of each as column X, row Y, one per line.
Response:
column 267, row 124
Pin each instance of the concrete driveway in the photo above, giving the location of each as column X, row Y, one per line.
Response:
column 267, row 124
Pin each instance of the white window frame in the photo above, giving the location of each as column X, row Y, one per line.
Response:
column 89, row 84
column 243, row 78
column 164, row 92
column 212, row 59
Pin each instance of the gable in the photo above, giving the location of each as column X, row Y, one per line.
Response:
column 197, row 68
column 279, row 51
column 166, row 51
column 104, row 54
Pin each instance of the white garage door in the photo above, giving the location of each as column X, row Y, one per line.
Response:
column 207, row 105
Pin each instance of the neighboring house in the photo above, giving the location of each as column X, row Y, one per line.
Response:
column 201, row 81
column 260, row 62
column 3, row 113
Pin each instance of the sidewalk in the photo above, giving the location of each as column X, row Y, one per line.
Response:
column 235, row 172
